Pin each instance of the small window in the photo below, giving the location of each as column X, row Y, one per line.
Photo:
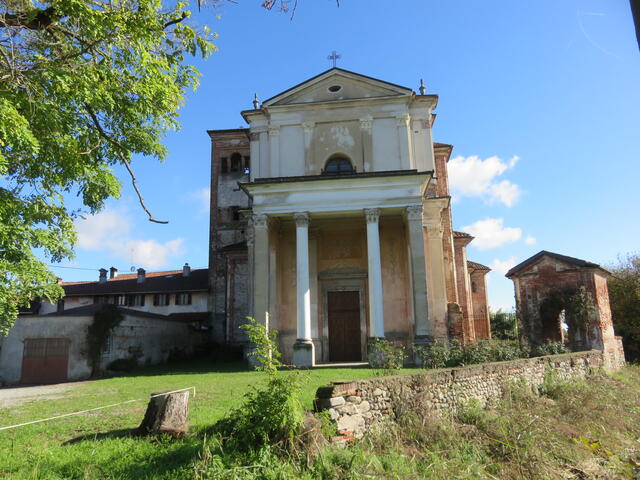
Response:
column 161, row 299
column 236, row 162
column 60, row 306
column 183, row 299
column 136, row 300
column 338, row 166
column 120, row 300
column 107, row 347
column 224, row 165
column 474, row 287
column 335, row 88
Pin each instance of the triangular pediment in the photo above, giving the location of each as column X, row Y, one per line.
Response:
column 336, row 84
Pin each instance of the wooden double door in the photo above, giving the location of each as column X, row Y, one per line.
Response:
column 344, row 326
column 45, row 360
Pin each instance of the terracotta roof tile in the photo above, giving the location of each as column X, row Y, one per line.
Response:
column 461, row 235
column 155, row 282
column 477, row 266
column 578, row 262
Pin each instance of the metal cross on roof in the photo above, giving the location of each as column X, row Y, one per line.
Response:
column 334, row 56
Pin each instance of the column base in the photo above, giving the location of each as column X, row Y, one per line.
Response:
column 420, row 343
column 303, row 353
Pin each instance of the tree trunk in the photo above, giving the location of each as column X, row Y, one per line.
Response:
column 166, row 414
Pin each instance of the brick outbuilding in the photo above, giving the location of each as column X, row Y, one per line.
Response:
column 565, row 299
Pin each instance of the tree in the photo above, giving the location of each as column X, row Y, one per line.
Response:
column 504, row 325
column 624, row 296
column 84, row 86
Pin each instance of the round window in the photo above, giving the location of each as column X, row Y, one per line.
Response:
column 335, row 88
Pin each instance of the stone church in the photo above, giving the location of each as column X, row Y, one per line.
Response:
column 331, row 221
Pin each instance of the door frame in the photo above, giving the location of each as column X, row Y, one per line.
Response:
column 349, row 282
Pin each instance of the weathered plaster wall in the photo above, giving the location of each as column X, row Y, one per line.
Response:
column 355, row 407
column 481, row 322
column 153, row 338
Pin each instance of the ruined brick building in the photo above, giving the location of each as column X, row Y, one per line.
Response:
column 331, row 219
column 565, row 299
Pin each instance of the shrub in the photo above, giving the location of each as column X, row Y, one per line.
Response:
column 550, row 348
column 385, row 355
column 439, row 354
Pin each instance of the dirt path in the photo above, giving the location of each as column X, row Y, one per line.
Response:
column 13, row 396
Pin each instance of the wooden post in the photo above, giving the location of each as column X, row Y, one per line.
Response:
column 166, row 414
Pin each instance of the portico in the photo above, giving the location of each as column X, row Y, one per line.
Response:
column 358, row 270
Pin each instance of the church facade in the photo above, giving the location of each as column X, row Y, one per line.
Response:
column 331, row 222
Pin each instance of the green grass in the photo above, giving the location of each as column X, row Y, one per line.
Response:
column 95, row 445
column 580, row 429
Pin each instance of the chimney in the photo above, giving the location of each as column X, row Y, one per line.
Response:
column 186, row 270
column 103, row 275
column 141, row 273
column 113, row 272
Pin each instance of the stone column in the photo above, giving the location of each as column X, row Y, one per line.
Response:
column 376, row 311
column 309, row 167
column 422, row 327
column 274, row 150
column 436, row 278
column 260, row 258
column 402, row 122
column 303, row 352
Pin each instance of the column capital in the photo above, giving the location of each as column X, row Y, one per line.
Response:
column 414, row 212
column 372, row 214
column 402, row 120
column 259, row 221
column 366, row 123
column 434, row 229
column 274, row 130
column 308, row 126
column 301, row 219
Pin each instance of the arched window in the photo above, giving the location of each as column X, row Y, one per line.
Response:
column 338, row 166
column 474, row 287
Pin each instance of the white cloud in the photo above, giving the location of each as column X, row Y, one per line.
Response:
column 474, row 177
column 491, row 233
column 530, row 240
column 503, row 266
column 108, row 231
column 202, row 196
column 95, row 230
column 148, row 253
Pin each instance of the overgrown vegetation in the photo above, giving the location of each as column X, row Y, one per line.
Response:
column 577, row 306
column 386, row 356
column 271, row 415
column 104, row 321
column 624, row 295
column 504, row 325
column 579, row 430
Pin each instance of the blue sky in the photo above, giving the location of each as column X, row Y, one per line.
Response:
column 541, row 101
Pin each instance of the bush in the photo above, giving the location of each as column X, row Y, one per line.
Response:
column 550, row 348
column 440, row 354
column 385, row 355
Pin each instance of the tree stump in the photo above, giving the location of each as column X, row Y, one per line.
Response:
column 166, row 414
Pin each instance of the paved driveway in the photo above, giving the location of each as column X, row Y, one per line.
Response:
column 13, row 396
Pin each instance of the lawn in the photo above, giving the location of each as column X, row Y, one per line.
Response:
column 96, row 445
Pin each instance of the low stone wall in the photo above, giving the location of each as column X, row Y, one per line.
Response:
column 355, row 406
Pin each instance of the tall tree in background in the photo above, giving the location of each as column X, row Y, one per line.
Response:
column 84, row 86
column 624, row 295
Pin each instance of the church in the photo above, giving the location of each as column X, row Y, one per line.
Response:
column 331, row 222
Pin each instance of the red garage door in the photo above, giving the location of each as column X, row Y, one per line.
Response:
column 45, row 360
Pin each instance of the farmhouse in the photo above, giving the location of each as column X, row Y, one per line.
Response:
column 331, row 221
column 160, row 314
